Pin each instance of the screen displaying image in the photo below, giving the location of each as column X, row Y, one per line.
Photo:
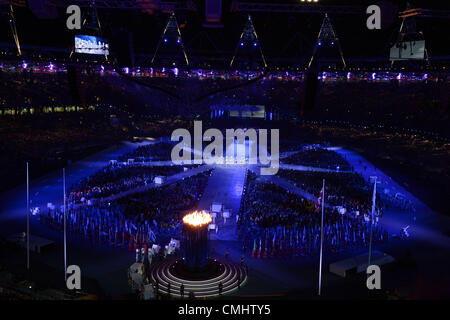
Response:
column 91, row 45
column 256, row 111
column 406, row 50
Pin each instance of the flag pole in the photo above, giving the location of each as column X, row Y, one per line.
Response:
column 65, row 243
column 28, row 219
column 371, row 220
column 321, row 240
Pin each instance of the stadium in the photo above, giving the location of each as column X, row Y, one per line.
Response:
column 224, row 150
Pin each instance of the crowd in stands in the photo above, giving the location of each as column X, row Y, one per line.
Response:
column 151, row 152
column 134, row 221
column 289, row 146
column 320, row 158
column 116, row 178
column 401, row 103
column 167, row 205
column 424, row 105
column 348, row 190
column 25, row 88
column 47, row 141
column 414, row 159
column 47, row 89
column 50, row 140
column 277, row 222
column 268, row 205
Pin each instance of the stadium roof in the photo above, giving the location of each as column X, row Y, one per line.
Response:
column 282, row 34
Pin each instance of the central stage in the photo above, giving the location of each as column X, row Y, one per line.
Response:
column 203, row 285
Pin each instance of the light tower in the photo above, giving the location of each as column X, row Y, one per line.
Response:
column 170, row 50
column 248, row 50
column 326, row 40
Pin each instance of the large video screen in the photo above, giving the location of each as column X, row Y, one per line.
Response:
column 91, row 45
column 408, row 50
column 248, row 111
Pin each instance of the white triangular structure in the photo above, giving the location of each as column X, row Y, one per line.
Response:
column 248, row 43
column 326, row 39
column 171, row 39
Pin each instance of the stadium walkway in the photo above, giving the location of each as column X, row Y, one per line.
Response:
column 171, row 179
column 225, row 186
column 424, row 223
column 49, row 187
column 289, row 186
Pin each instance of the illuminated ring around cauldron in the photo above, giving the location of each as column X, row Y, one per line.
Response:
column 229, row 276
column 196, row 271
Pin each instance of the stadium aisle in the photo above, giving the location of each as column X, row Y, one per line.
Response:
column 49, row 187
column 225, row 186
column 424, row 223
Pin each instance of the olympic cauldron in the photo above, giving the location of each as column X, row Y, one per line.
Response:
column 196, row 245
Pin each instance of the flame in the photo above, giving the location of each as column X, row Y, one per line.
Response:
column 197, row 218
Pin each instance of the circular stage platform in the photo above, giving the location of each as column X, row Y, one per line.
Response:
column 204, row 284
